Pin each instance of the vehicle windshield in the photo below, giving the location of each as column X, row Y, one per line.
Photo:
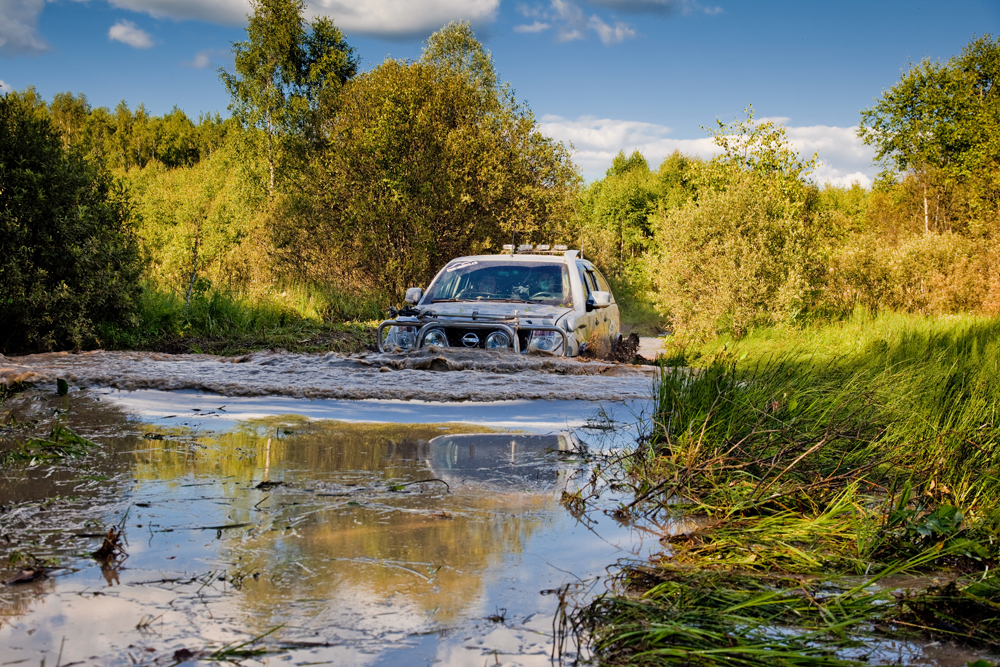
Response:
column 473, row 280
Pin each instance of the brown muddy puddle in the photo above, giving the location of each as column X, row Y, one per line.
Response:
column 333, row 542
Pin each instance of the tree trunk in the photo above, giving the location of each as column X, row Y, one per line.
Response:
column 926, row 221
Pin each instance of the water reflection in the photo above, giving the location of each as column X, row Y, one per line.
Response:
column 356, row 539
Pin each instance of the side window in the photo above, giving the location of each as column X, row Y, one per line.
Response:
column 587, row 289
column 593, row 281
column 602, row 283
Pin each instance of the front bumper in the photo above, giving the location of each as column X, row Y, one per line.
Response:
column 455, row 327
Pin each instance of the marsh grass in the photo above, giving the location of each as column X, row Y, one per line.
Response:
column 297, row 318
column 856, row 450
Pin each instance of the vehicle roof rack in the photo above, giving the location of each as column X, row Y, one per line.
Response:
column 541, row 249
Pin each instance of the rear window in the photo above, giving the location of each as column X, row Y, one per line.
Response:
column 473, row 280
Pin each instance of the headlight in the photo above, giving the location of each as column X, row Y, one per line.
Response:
column 436, row 337
column 497, row 339
column 401, row 337
column 545, row 341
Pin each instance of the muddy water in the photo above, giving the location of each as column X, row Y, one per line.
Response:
column 339, row 532
column 424, row 374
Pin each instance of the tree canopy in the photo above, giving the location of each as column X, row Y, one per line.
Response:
column 285, row 70
column 424, row 163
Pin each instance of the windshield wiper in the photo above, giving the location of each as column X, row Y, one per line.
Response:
column 446, row 300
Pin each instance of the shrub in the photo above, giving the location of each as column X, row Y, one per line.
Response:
column 926, row 273
column 736, row 257
column 69, row 258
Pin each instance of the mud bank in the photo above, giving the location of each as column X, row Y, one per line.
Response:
column 428, row 374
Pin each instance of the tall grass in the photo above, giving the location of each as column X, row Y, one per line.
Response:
column 220, row 320
column 866, row 448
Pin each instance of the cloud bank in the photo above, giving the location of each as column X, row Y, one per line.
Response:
column 379, row 18
column 596, row 141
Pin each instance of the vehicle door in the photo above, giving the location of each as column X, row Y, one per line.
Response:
column 609, row 320
column 590, row 316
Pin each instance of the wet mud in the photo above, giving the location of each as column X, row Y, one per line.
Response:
column 265, row 530
column 430, row 374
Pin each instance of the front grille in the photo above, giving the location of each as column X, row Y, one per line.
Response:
column 455, row 335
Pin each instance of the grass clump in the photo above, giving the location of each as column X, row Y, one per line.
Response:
column 63, row 442
column 813, row 466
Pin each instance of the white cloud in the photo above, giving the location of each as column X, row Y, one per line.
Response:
column 19, row 27
column 5, row 87
column 843, row 157
column 537, row 26
column 382, row 18
column 402, row 18
column 226, row 12
column 608, row 34
column 207, row 58
column 570, row 23
column 129, row 33
column 596, row 141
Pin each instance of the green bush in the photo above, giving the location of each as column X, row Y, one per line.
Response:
column 69, row 258
column 737, row 257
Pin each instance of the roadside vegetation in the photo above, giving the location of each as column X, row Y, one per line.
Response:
column 844, row 490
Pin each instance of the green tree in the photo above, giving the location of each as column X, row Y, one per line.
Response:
column 941, row 123
column 455, row 49
column 422, row 164
column 69, row 259
column 285, row 70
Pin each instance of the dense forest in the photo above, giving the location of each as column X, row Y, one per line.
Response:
column 330, row 190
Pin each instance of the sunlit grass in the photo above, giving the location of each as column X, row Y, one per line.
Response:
column 850, row 449
column 302, row 318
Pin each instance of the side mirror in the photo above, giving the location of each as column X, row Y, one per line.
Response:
column 599, row 300
column 413, row 295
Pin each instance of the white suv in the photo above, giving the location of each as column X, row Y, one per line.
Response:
column 536, row 300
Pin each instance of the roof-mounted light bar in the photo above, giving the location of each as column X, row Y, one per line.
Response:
column 559, row 247
column 525, row 247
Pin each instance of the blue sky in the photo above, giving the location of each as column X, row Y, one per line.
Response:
column 606, row 75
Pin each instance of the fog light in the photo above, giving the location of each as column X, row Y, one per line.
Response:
column 545, row 341
column 497, row 339
column 436, row 337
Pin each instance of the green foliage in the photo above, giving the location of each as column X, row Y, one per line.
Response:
column 125, row 139
column 217, row 321
column 202, row 223
column 63, row 442
column 616, row 218
column 941, row 123
column 284, row 73
column 69, row 258
column 927, row 273
column 455, row 50
column 861, row 448
column 742, row 252
column 422, row 164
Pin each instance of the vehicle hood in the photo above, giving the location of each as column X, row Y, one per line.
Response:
column 525, row 311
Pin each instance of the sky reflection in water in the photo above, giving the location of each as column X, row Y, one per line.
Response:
column 346, row 546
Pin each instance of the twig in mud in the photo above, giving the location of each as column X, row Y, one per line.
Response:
column 400, row 487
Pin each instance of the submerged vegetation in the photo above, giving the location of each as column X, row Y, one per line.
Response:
column 816, row 475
